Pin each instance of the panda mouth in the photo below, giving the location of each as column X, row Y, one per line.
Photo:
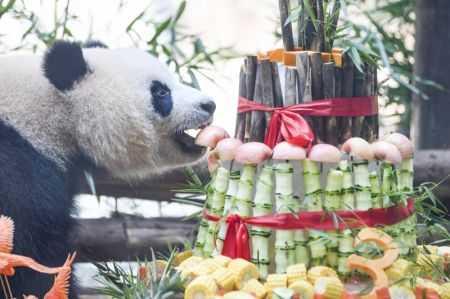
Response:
column 185, row 137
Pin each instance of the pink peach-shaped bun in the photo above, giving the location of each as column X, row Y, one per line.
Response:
column 387, row 152
column 252, row 153
column 210, row 136
column 286, row 151
column 358, row 148
column 213, row 161
column 324, row 153
column 226, row 148
column 403, row 144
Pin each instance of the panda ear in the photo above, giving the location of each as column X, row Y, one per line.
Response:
column 64, row 64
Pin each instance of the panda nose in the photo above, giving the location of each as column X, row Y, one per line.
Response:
column 209, row 107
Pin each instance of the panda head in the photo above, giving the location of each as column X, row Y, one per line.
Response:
column 128, row 112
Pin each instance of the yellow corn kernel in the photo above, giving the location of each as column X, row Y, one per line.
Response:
column 275, row 281
column 329, row 287
column 242, row 271
column 224, row 278
column 401, row 292
column 444, row 291
column 238, row 295
column 302, row 288
column 428, row 249
column 320, row 271
column 201, row 287
column 296, row 272
column 428, row 263
column 398, row 270
column 255, row 288
column 221, row 261
column 197, row 270
column 191, row 261
column 208, row 263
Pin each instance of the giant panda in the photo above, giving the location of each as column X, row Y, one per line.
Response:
column 81, row 106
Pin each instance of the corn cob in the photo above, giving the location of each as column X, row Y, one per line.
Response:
column 275, row 281
column 313, row 202
column 255, row 288
column 221, row 261
column 302, row 288
column 320, row 271
column 229, row 207
column 427, row 284
column 398, row 270
column 429, row 263
column 262, row 205
column 428, row 249
column 224, row 278
column 191, row 261
column 238, row 295
column 216, row 209
column 195, row 271
column 245, row 190
column 444, row 291
column 242, row 271
column 208, row 263
column 329, row 287
column 296, row 272
column 201, row 287
column 332, row 202
column 401, row 292
column 284, row 242
column 346, row 238
column 375, row 190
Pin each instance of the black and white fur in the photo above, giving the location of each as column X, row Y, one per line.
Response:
column 117, row 109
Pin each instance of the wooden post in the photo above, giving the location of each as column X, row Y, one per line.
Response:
column 240, row 118
column 258, row 123
column 251, row 64
column 304, row 76
column 358, row 91
column 286, row 29
column 329, row 92
column 290, row 91
column 334, row 12
column 369, row 121
column 347, row 92
column 301, row 24
column 317, row 94
column 267, row 87
column 277, row 92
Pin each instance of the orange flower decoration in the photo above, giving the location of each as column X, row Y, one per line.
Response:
column 60, row 289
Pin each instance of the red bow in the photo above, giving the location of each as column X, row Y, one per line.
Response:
column 287, row 122
column 236, row 243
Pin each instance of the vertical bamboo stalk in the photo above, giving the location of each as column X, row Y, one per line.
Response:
column 375, row 93
column 329, row 92
column 258, row 122
column 335, row 13
column 240, row 119
column 337, row 82
column 347, row 92
column 358, row 91
column 317, row 94
column 320, row 27
column 290, row 91
column 251, row 64
column 310, row 31
column 267, row 87
column 301, row 24
column 304, row 76
column 277, row 92
column 286, row 29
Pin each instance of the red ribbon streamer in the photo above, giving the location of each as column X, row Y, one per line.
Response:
column 236, row 243
column 287, row 122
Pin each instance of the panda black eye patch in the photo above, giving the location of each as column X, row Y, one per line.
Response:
column 161, row 98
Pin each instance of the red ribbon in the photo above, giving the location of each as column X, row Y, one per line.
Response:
column 287, row 122
column 236, row 243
